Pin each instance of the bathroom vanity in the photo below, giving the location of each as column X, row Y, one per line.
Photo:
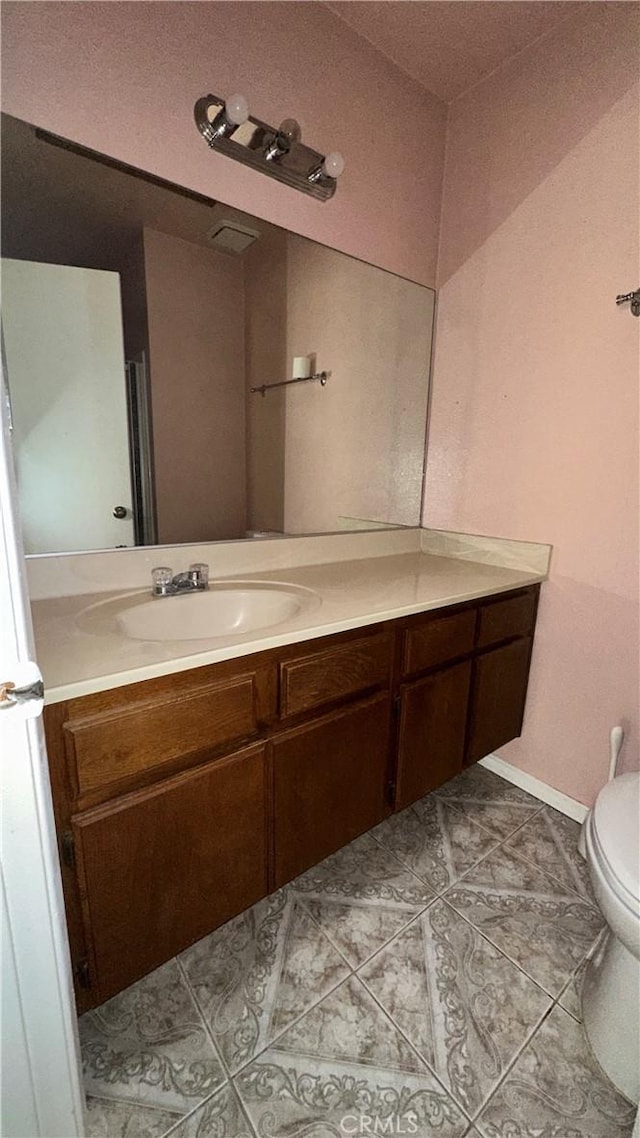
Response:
column 183, row 798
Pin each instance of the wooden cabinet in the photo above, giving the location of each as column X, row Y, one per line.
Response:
column 433, row 718
column 127, row 738
column 180, row 801
column 433, row 641
column 475, row 663
column 315, row 678
column 500, row 619
column 499, row 692
column 329, row 784
column 163, row 866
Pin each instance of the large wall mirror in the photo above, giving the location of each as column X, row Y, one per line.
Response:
column 138, row 317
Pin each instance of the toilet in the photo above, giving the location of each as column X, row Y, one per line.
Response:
column 611, row 986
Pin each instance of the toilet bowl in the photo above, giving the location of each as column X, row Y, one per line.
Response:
column 611, row 987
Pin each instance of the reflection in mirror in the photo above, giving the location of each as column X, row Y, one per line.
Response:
column 138, row 316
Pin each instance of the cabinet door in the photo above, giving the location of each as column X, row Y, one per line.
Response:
column 498, row 697
column 162, row 867
column 329, row 784
column 433, row 716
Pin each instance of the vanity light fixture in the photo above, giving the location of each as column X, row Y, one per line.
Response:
column 227, row 127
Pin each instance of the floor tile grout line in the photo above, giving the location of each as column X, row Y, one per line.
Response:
column 551, row 1002
column 475, row 865
column 353, row 968
column 415, row 1050
column 510, row 1066
column 501, row 951
column 497, row 947
column 555, row 1006
column 183, row 973
column 504, row 841
column 421, row 877
column 385, row 849
column 355, row 976
column 288, row 918
column 574, row 975
column 186, row 1117
column 243, row 1104
column 229, row 1083
column 554, row 999
column 458, row 804
column 569, row 888
column 245, row 1112
column 272, row 1041
column 155, row 1108
column 556, row 881
column 520, row 857
column 394, row 855
column 383, row 947
column 499, row 841
column 300, row 898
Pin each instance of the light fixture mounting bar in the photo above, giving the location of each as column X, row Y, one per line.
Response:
column 252, row 140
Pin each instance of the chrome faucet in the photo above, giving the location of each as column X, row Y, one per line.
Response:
column 195, row 579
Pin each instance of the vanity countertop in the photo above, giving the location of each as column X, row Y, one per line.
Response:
column 77, row 662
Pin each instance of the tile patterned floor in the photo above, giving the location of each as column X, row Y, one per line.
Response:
column 426, row 976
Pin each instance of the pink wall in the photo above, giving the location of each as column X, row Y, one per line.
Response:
column 534, row 425
column 123, row 78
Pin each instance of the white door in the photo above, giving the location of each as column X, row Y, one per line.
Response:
column 39, row 1066
column 66, row 372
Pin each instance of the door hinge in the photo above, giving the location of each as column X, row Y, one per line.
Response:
column 395, row 704
column 391, row 791
column 68, row 849
column 82, row 975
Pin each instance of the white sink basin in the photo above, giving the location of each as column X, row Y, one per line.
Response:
column 226, row 609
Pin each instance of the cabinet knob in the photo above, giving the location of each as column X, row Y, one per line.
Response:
column 119, row 511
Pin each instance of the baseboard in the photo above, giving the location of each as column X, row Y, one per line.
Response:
column 561, row 802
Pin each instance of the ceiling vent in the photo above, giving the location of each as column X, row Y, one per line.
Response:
column 231, row 237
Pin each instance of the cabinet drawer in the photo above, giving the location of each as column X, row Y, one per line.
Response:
column 334, row 673
column 501, row 619
column 437, row 641
column 127, row 740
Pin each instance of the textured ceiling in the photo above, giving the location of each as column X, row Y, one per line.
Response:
column 448, row 45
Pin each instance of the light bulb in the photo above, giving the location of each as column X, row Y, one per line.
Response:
column 333, row 164
column 290, row 129
column 236, row 109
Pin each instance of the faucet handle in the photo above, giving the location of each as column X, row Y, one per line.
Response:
column 201, row 571
column 161, row 577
